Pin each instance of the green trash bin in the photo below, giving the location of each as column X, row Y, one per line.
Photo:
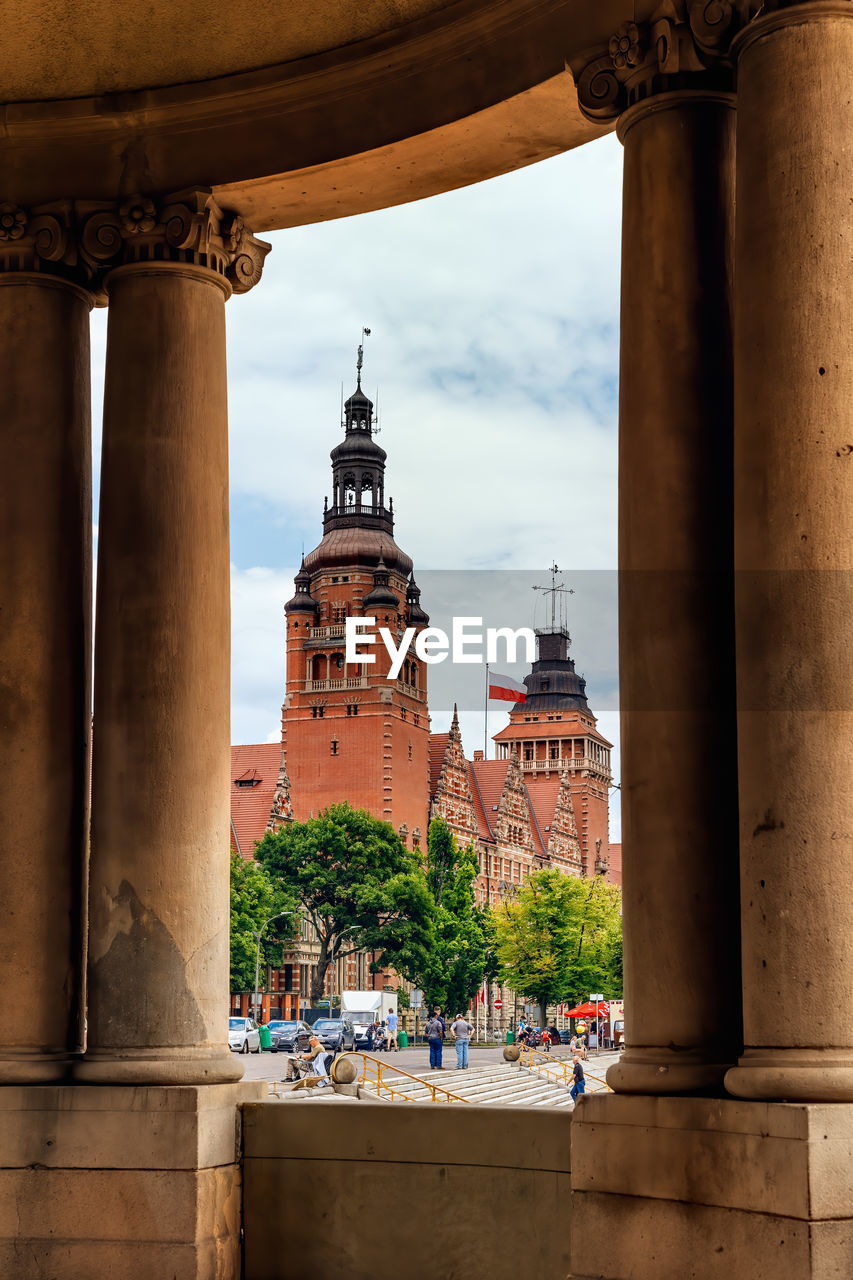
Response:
column 510, row 1037
column 402, row 1040
column 266, row 1038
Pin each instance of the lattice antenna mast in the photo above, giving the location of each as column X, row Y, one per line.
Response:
column 556, row 589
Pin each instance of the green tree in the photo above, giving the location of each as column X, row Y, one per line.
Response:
column 358, row 884
column 254, row 900
column 556, row 939
column 455, row 965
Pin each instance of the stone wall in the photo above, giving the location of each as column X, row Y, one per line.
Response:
column 422, row 1190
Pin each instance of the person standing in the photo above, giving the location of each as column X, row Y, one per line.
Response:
column 371, row 1031
column 579, row 1085
column 391, row 1022
column 461, row 1032
column 434, row 1032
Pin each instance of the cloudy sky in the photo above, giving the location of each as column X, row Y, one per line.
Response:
column 494, row 348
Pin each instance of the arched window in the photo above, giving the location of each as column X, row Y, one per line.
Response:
column 349, row 490
column 368, row 486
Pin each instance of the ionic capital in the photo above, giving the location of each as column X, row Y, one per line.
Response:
column 83, row 241
column 684, row 45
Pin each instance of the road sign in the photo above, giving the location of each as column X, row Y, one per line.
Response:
column 499, row 1004
column 416, row 999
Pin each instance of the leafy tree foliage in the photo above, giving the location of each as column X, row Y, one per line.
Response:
column 254, row 900
column 455, row 965
column 358, row 884
column 559, row 938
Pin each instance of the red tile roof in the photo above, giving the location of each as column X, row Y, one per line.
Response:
column 614, row 860
column 549, row 729
column 437, row 748
column 542, row 797
column 488, row 778
column 258, row 762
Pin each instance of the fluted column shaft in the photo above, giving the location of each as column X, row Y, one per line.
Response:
column 794, row 549
column 45, row 668
column 679, row 796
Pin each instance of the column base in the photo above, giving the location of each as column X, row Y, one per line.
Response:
column 711, row 1188
column 795, row 1075
column 664, row 1071
column 29, row 1066
column 125, row 1182
column 159, row 1067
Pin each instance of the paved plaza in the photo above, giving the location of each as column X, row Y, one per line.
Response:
column 270, row 1066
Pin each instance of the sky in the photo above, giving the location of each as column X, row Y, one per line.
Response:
column 493, row 313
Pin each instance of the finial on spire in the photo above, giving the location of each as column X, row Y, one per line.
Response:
column 365, row 333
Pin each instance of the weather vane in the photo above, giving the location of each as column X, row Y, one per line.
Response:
column 365, row 333
column 555, row 589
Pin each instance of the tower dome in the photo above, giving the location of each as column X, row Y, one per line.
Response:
column 302, row 601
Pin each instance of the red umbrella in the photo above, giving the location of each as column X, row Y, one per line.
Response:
column 588, row 1010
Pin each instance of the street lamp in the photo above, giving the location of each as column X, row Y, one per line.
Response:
column 256, row 997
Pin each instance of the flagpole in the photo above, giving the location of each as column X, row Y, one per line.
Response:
column 486, row 718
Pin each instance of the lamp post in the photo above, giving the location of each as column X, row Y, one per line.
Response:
column 597, row 998
column 256, row 995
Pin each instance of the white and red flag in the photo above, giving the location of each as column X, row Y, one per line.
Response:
column 505, row 689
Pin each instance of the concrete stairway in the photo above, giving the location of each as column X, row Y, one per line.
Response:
column 502, row 1086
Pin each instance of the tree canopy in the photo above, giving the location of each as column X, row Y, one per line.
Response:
column 358, row 884
column 559, row 939
column 255, row 898
column 455, row 965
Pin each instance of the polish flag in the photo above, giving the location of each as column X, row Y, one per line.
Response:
column 505, row 689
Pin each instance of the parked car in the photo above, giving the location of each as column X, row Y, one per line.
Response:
column 289, row 1037
column 337, row 1034
column 243, row 1035
column 565, row 1036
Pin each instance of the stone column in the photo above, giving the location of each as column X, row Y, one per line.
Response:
column 45, row 650
column 159, row 902
column 794, row 551
column 679, row 788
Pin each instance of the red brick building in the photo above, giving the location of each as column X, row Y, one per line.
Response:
column 515, row 829
column 348, row 731
column 553, row 733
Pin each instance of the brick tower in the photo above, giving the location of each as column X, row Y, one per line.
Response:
column 554, row 730
column 348, row 732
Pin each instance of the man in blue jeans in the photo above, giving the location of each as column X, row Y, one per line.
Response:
column 434, row 1032
column 579, row 1085
column 461, row 1032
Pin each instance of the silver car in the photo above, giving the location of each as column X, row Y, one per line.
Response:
column 243, row 1035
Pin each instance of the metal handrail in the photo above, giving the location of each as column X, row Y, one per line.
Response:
column 377, row 1069
column 541, row 1061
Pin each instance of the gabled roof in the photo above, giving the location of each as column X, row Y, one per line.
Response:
column 437, row 751
column 258, row 763
column 488, row 778
column 542, row 799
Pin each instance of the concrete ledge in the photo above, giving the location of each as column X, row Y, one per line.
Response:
column 122, row 1126
column 455, row 1190
column 418, row 1133
column 793, row 1159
